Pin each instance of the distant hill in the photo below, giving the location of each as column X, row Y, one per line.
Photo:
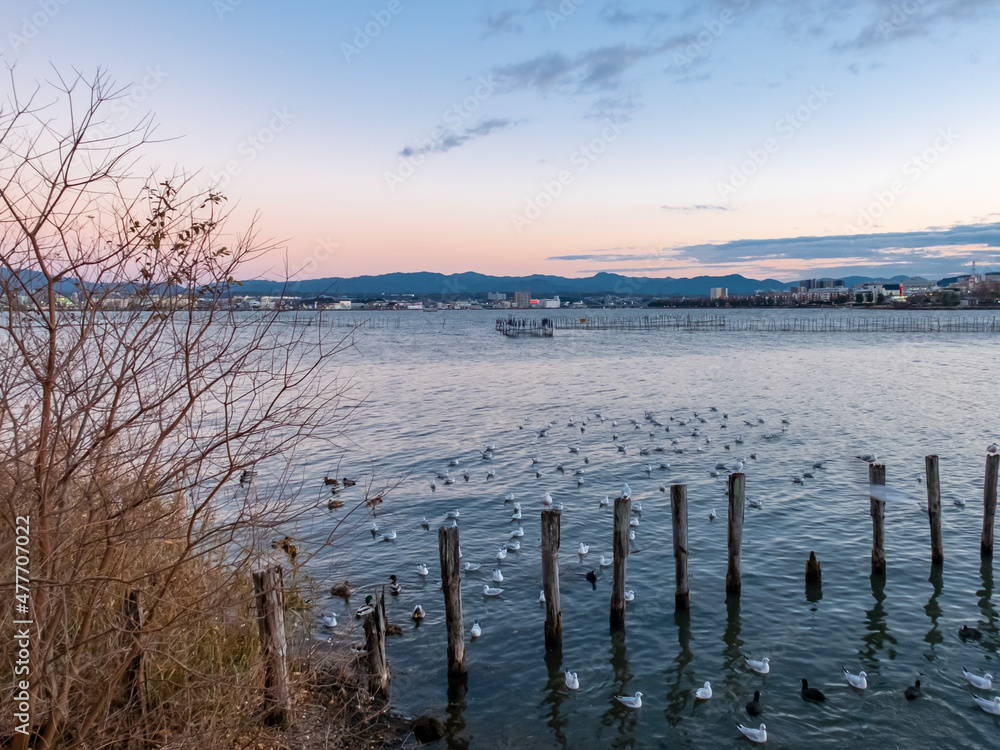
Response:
column 459, row 284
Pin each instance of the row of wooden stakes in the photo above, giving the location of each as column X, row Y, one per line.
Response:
column 269, row 588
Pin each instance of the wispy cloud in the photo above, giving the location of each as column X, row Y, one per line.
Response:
column 602, row 68
column 504, row 22
column 451, row 139
column 697, row 207
column 941, row 250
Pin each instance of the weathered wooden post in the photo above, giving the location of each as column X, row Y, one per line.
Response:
column 876, row 477
column 623, row 511
column 451, row 585
column 679, row 522
column 814, row 579
column 378, row 667
column 134, row 679
column 934, row 509
column 269, row 591
column 550, row 577
column 989, row 505
column 814, row 573
column 737, row 488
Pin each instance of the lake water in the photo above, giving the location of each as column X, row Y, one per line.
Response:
column 444, row 385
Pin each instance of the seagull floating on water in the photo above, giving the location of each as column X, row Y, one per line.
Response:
column 989, row 706
column 704, row 693
column 583, row 549
column 630, row 596
column 858, row 681
column 983, row 683
column 761, row 666
column 606, row 562
column 572, row 681
column 635, row 701
column 330, row 620
column 605, row 502
column 471, row 566
column 502, row 553
column 754, row 735
column 422, row 570
column 518, row 532
column 541, row 597
column 488, row 591
column 497, row 576
column 476, row 630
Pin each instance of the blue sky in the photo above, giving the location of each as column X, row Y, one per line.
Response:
column 782, row 138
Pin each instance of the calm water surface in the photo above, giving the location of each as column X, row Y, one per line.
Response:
column 444, row 385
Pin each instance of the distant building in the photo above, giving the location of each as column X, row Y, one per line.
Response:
column 718, row 292
column 548, row 303
column 522, row 300
column 496, row 297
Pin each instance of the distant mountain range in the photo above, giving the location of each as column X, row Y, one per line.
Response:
column 459, row 284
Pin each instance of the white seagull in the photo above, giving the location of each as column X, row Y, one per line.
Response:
column 572, row 681
column 422, row 569
column 330, row 620
column 605, row 502
column 487, row 591
column 471, row 566
column 869, row 458
column 630, row 595
column 763, row 666
column 754, row 735
column 546, row 499
column 502, row 553
column 983, row 683
column 498, row 576
column 630, row 700
column 583, row 548
column 606, row 562
column 518, row 532
column 859, row 681
column 992, row 448
column 704, row 693
column 476, row 630
column 541, row 597
column 990, row 707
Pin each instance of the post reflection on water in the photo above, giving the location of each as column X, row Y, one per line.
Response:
column 678, row 695
column 985, row 594
column 733, row 650
column 456, row 736
column 877, row 636
column 617, row 715
column 934, row 636
column 556, row 694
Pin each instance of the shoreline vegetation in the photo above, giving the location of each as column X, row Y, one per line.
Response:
column 130, row 445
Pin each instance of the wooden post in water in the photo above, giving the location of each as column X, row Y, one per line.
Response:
column 989, row 505
column 876, row 476
column 269, row 591
column 451, row 585
column 737, row 489
column 814, row 573
column 550, row 577
column 934, row 509
column 679, row 521
column 378, row 667
column 623, row 510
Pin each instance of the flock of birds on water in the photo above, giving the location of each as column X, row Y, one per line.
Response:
column 676, row 431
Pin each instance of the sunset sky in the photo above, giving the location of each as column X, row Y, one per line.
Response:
column 781, row 138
